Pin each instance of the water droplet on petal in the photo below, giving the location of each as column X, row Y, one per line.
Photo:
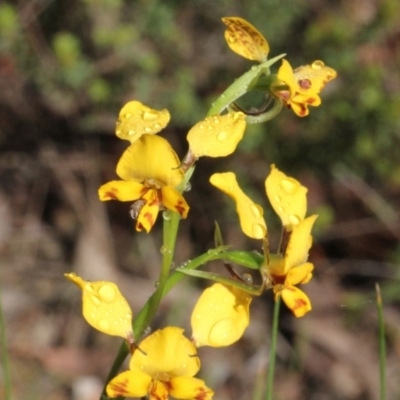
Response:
column 277, row 198
column 107, row 293
column 216, row 120
column 128, row 115
column 188, row 187
column 222, row 136
column 118, row 132
column 259, row 231
column 317, row 65
column 294, row 219
column 156, row 126
column 95, row 300
column 104, row 325
column 289, row 186
column 232, row 39
column 131, row 132
column 150, row 115
column 257, row 210
column 147, row 129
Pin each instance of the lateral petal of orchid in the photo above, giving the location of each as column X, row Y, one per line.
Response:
column 166, row 350
column 299, row 243
column 148, row 214
column 250, row 213
column 287, row 197
column 299, row 275
column 174, row 201
column 150, row 158
column 104, row 307
column 121, row 190
column 296, row 300
column 286, row 75
column 184, row 387
column 217, row 135
column 129, row 384
column 245, row 40
column 220, row 316
column 135, row 119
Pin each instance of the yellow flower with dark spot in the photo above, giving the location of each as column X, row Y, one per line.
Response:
column 149, row 169
column 244, row 39
column 304, row 84
column 284, row 273
column 164, row 364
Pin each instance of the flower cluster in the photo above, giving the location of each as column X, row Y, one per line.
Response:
column 153, row 178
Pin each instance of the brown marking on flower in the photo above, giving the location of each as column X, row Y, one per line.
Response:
column 111, row 194
column 202, row 394
column 180, row 207
column 149, row 217
column 278, row 279
column 298, row 303
column 119, row 388
column 305, row 83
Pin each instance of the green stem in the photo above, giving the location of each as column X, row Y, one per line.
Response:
column 382, row 344
column 5, row 360
column 272, row 353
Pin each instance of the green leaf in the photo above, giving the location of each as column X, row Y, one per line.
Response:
column 248, row 259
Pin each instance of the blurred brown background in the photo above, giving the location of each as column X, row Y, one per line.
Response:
column 67, row 67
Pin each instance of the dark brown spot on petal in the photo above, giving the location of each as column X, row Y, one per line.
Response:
column 119, row 388
column 111, row 194
column 299, row 303
column 180, row 207
column 305, row 83
column 202, row 394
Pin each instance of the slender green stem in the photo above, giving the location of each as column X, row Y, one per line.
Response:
column 5, row 361
column 272, row 351
column 382, row 345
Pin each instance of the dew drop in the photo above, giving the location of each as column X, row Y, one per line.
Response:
column 131, row 132
column 222, row 136
column 95, row 300
column 118, row 122
column 317, row 65
column 248, row 278
column 150, row 115
column 289, row 186
column 256, row 210
column 232, row 39
column 183, row 365
column 156, row 126
column 259, row 231
column 118, row 132
column 128, row 115
column 277, row 198
column 216, row 120
column 164, row 249
column 147, row 129
column 188, row 187
column 166, row 215
column 104, row 325
column 107, row 293
column 254, row 67
column 294, row 219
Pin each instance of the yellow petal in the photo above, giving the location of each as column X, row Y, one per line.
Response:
column 189, row 388
column 296, row 300
column 149, row 211
column 287, row 197
column 220, row 316
column 299, row 243
column 104, row 307
column 314, row 77
column 121, row 190
column 166, row 350
column 150, row 159
column 174, row 201
column 136, row 119
column 299, row 275
column 217, row 136
column 245, row 40
column 286, row 75
column 159, row 390
column 250, row 213
column 129, row 384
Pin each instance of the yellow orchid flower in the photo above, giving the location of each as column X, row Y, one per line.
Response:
column 220, row 316
column 250, row 213
column 149, row 169
column 304, row 84
column 165, row 365
column 217, row 135
column 135, row 119
column 104, row 307
column 245, row 40
column 285, row 272
column 287, row 197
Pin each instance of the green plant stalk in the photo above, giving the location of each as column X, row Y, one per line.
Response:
column 4, row 359
column 382, row 345
column 272, row 352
